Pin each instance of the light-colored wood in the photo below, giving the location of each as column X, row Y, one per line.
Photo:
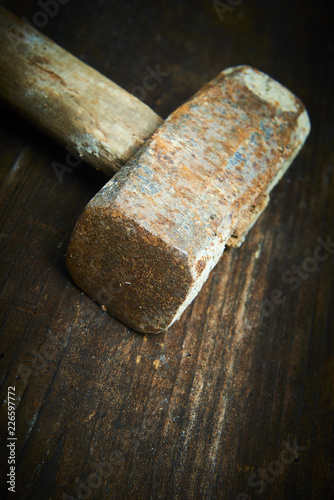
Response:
column 70, row 101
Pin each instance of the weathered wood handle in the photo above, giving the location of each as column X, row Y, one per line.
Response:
column 68, row 100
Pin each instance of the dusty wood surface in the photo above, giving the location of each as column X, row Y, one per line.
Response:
column 207, row 409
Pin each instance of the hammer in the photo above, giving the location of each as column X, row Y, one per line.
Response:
column 192, row 185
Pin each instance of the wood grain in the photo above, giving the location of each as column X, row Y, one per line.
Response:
column 191, row 414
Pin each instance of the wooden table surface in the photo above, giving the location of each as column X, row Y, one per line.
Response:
column 236, row 400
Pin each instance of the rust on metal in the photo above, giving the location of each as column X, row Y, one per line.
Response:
column 147, row 241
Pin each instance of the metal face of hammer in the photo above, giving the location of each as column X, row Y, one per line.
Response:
column 147, row 241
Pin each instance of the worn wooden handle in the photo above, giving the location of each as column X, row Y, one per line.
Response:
column 70, row 101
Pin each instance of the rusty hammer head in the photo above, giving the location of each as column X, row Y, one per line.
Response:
column 146, row 243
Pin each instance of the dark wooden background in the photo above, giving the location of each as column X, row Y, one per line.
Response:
column 106, row 413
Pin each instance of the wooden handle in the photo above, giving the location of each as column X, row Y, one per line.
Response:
column 70, row 101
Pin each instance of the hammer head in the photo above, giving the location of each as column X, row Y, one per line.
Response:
column 146, row 243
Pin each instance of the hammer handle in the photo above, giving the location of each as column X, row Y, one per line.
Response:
column 68, row 100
